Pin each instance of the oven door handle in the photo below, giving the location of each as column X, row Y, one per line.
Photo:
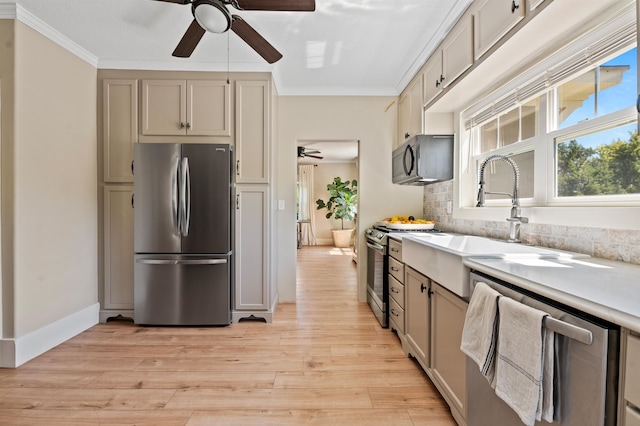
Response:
column 377, row 247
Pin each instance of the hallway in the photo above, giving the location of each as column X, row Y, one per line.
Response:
column 324, row 360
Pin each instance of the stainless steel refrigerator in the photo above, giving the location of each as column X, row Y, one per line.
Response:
column 183, row 234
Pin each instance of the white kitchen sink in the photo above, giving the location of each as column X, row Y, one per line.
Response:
column 440, row 256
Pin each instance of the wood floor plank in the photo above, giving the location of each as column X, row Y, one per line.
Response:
column 270, row 399
column 352, row 417
column 324, row 360
column 183, row 379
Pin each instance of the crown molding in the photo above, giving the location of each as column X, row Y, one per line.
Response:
column 14, row 11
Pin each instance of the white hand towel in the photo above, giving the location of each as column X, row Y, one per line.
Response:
column 521, row 348
column 481, row 328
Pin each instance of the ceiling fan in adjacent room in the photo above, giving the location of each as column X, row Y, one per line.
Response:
column 213, row 16
column 303, row 153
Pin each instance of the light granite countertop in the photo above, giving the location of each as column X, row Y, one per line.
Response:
column 606, row 289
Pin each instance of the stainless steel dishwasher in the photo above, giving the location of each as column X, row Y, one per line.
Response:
column 586, row 366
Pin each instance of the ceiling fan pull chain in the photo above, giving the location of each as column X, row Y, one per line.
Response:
column 228, row 56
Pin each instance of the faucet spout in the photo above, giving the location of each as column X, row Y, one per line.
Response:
column 515, row 218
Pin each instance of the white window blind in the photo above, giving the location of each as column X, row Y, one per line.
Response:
column 564, row 66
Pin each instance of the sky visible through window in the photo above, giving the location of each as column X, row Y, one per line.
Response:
column 612, row 99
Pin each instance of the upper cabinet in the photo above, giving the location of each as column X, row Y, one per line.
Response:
column 120, row 128
column 186, row 107
column 252, row 131
column 410, row 112
column 448, row 62
column 493, row 19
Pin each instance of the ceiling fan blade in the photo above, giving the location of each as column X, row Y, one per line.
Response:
column 314, row 156
column 255, row 40
column 176, row 1
column 278, row 5
column 189, row 40
column 314, row 151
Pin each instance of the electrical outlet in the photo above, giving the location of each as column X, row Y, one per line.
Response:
column 449, row 206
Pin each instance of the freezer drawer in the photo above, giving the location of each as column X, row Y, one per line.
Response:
column 182, row 290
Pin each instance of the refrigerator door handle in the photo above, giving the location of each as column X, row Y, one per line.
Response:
column 182, row 262
column 186, row 197
column 175, row 197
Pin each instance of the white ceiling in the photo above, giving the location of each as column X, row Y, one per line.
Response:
column 345, row 47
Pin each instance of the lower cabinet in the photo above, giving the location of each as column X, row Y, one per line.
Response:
column 630, row 365
column 118, row 251
column 448, row 362
column 252, row 294
column 417, row 314
column 434, row 318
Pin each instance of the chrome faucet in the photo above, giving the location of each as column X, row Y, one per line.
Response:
column 516, row 217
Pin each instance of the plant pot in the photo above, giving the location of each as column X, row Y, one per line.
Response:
column 342, row 237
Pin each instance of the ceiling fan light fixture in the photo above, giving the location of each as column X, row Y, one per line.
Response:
column 212, row 15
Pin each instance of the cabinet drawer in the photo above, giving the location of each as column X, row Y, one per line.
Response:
column 396, row 290
column 396, row 269
column 396, row 314
column 631, row 416
column 395, row 249
column 632, row 371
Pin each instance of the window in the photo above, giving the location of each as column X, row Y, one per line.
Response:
column 585, row 123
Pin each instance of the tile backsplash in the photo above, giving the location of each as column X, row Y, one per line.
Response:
column 613, row 244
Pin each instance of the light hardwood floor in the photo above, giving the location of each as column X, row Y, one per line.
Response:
column 324, row 360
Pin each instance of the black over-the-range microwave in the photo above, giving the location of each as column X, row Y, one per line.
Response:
column 423, row 159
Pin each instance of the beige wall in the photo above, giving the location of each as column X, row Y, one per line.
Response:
column 6, row 200
column 54, row 179
column 369, row 120
column 323, row 175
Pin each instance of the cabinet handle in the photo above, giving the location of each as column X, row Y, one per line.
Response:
column 238, row 167
column 132, row 167
column 395, row 249
column 441, row 78
column 514, row 6
column 133, row 201
column 394, row 290
column 407, row 135
column 429, row 293
column 437, row 83
column 394, row 269
column 422, row 288
column 237, row 201
column 394, row 313
column 188, row 126
column 181, row 125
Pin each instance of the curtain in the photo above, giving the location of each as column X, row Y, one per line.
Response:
column 306, row 205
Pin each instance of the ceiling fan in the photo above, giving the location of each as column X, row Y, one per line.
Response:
column 213, row 16
column 302, row 153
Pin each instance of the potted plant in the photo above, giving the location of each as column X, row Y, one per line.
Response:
column 343, row 205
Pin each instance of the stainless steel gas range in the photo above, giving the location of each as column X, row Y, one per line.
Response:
column 377, row 238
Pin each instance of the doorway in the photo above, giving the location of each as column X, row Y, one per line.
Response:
column 319, row 162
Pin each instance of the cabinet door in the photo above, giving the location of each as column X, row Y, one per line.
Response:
column 252, row 241
column 448, row 362
column 118, row 247
column 404, row 112
column 417, row 314
column 632, row 371
column 164, row 109
column 120, row 128
column 208, row 108
column 252, row 132
column 493, row 19
column 416, row 109
column 432, row 77
column 457, row 51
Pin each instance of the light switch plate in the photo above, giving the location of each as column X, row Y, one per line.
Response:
column 280, row 204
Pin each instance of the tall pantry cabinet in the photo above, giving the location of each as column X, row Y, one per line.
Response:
column 199, row 108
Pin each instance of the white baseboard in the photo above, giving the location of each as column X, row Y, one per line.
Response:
column 15, row 352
